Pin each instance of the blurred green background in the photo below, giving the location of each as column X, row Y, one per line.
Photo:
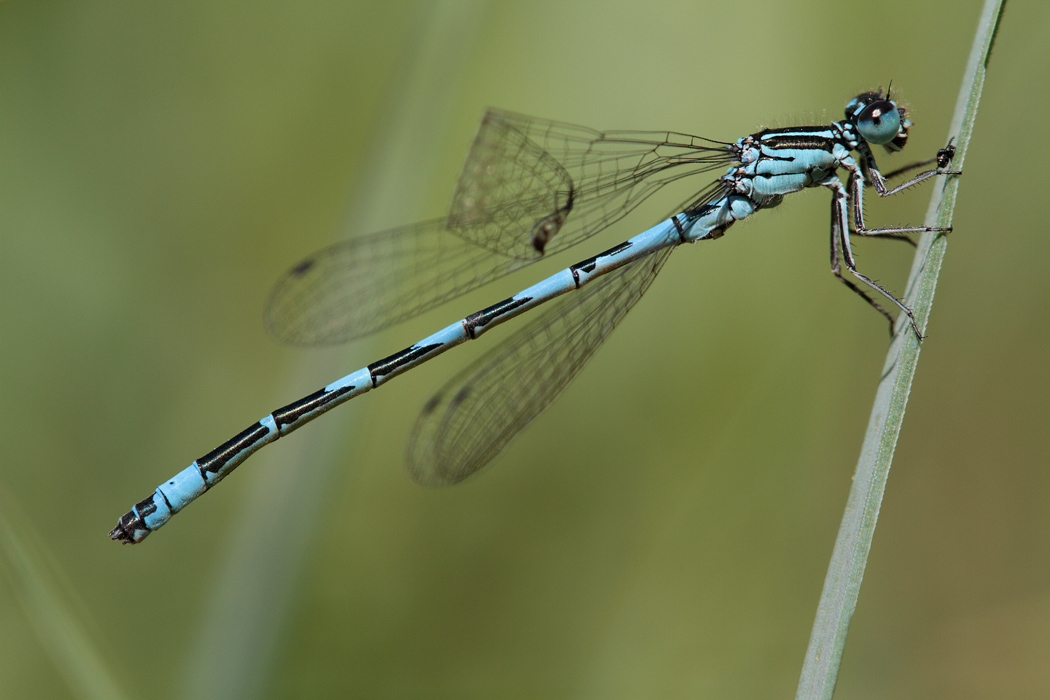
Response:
column 663, row 530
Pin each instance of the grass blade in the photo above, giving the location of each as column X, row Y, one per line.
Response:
column 846, row 570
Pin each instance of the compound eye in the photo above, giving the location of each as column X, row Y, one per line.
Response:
column 879, row 122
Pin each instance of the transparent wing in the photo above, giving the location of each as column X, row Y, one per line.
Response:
column 529, row 187
column 361, row 285
column 479, row 411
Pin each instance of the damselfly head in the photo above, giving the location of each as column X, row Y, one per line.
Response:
column 879, row 120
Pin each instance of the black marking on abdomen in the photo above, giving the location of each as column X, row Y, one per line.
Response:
column 165, row 497
column 286, row 415
column 145, row 508
column 488, row 315
column 399, row 359
column 678, row 227
column 589, row 264
column 215, row 460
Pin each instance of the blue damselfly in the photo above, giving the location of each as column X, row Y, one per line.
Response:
column 531, row 188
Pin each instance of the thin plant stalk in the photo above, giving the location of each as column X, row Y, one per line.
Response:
column 846, row 570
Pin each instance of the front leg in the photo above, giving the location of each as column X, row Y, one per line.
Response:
column 943, row 160
column 856, row 189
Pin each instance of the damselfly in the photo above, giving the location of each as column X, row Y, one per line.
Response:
column 531, row 188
